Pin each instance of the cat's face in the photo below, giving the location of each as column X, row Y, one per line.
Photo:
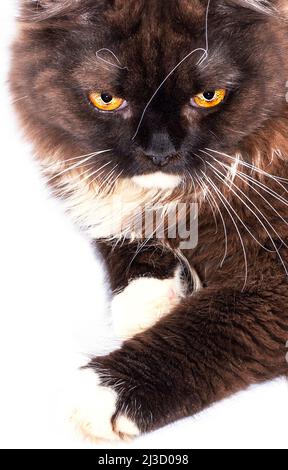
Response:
column 155, row 83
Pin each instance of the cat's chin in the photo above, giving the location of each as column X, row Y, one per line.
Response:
column 158, row 180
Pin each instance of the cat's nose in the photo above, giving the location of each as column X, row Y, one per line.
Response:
column 159, row 159
column 160, row 149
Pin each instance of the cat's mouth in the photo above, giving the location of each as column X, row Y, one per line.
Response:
column 157, row 180
column 159, row 170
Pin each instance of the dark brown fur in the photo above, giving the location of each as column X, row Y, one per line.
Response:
column 224, row 338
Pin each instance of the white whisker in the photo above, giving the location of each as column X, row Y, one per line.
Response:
column 265, row 188
column 77, row 181
column 277, row 179
column 223, row 199
column 265, row 228
column 164, row 81
column 200, row 61
column 224, row 226
column 206, row 195
column 243, row 177
column 76, row 165
column 19, row 99
column 69, row 160
column 106, row 179
column 112, row 181
column 221, row 176
column 252, row 167
column 237, row 215
column 105, row 61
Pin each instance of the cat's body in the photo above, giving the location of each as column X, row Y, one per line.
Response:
column 202, row 322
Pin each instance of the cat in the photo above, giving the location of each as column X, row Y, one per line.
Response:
column 143, row 105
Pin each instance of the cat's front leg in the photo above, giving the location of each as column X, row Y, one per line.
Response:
column 144, row 302
column 93, row 408
column 210, row 346
column 142, row 294
column 151, row 286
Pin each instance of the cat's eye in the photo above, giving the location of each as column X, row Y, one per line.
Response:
column 106, row 101
column 209, row 98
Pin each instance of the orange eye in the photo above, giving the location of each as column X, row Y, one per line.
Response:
column 209, row 99
column 106, row 102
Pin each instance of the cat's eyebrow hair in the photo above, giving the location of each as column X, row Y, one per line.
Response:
column 200, row 61
column 113, row 64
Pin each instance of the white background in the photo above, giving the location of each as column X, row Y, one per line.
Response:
column 52, row 307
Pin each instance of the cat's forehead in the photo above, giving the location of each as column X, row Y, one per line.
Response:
column 148, row 38
column 130, row 13
column 158, row 21
column 150, row 32
column 164, row 28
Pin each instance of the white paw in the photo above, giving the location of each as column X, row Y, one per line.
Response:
column 143, row 303
column 93, row 409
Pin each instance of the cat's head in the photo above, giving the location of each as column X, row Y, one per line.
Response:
column 148, row 90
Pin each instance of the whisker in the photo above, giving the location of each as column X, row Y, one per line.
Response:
column 258, row 183
column 113, row 183
column 224, row 226
column 201, row 60
column 73, row 181
column 265, row 228
column 19, row 99
column 96, row 172
column 110, row 174
column 164, row 81
column 142, row 245
column 223, row 199
column 265, row 188
column 218, row 173
column 105, row 61
column 48, row 167
column 207, row 195
column 239, row 218
column 106, row 182
column 252, row 167
column 76, row 165
column 237, row 215
column 73, row 184
column 242, row 177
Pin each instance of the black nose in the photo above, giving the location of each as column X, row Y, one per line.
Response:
column 159, row 160
column 160, row 149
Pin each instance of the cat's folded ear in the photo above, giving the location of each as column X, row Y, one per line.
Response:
column 282, row 6
column 264, row 6
column 45, row 4
column 44, row 9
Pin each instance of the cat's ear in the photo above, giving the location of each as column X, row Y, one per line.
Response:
column 264, row 6
column 43, row 9
column 45, row 4
column 271, row 6
column 282, row 6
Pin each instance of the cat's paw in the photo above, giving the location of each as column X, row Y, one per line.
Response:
column 143, row 303
column 93, row 411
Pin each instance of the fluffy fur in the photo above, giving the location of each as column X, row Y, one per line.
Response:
column 229, row 327
column 159, row 298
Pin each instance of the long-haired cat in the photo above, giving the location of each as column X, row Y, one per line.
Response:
column 139, row 106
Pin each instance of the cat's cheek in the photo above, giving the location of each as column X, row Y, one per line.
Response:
column 92, row 410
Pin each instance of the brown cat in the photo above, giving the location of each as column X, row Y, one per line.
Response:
column 155, row 107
